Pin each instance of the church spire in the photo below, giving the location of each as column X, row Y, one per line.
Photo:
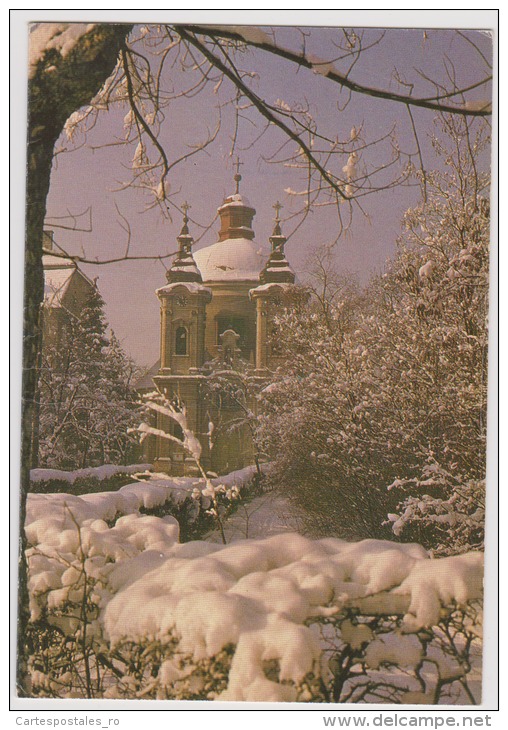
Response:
column 184, row 267
column 277, row 233
column 277, row 269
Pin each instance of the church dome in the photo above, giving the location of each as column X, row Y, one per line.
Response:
column 235, row 256
column 234, row 259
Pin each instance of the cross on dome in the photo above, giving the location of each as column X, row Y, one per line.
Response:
column 277, row 206
column 237, row 178
column 184, row 233
column 277, row 233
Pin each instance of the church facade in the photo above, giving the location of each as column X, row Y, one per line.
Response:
column 216, row 311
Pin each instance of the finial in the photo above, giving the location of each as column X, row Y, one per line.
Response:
column 184, row 238
column 185, row 208
column 276, row 230
column 237, row 176
column 185, row 227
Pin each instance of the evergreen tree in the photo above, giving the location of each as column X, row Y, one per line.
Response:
column 87, row 402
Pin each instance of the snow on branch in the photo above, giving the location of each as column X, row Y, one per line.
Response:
column 178, row 414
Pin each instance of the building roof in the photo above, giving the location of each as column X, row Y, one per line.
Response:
column 56, row 282
column 50, row 261
column 192, row 286
column 234, row 259
column 58, row 273
column 146, row 381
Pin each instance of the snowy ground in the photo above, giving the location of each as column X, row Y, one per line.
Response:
column 266, row 593
column 268, row 514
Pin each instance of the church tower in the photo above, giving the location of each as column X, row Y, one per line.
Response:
column 274, row 281
column 217, row 318
column 182, row 348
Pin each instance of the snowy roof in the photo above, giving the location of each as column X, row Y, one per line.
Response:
column 192, row 286
column 184, row 269
column 271, row 285
column 49, row 261
column 190, row 268
column 235, row 259
column 58, row 273
column 235, row 199
column 146, row 380
column 56, row 282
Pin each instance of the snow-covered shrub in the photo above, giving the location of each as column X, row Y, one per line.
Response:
column 374, row 387
column 308, row 423
column 448, row 513
column 120, row 608
column 370, row 657
column 194, row 509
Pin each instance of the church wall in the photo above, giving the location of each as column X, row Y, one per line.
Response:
column 232, row 451
column 170, row 457
column 233, row 299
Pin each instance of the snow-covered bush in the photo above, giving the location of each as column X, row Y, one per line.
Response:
column 450, row 513
column 374, row 388
column 121, row 609
column 105, row 478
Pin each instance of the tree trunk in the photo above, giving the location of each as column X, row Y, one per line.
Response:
column 52, row 97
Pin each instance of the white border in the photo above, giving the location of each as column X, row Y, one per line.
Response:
column 396, row 18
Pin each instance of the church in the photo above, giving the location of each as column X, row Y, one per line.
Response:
column 216, row 327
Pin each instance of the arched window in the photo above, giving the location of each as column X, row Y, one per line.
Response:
column 181, row 341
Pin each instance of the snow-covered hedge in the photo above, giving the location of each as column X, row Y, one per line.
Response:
column 153, row 494
column 101, row 473
column 120, row 608
column 105, row 478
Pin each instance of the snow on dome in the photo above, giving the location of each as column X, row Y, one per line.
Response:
column 235, row 259
column 236, row 199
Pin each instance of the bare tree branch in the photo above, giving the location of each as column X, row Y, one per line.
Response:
column 215, row 32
